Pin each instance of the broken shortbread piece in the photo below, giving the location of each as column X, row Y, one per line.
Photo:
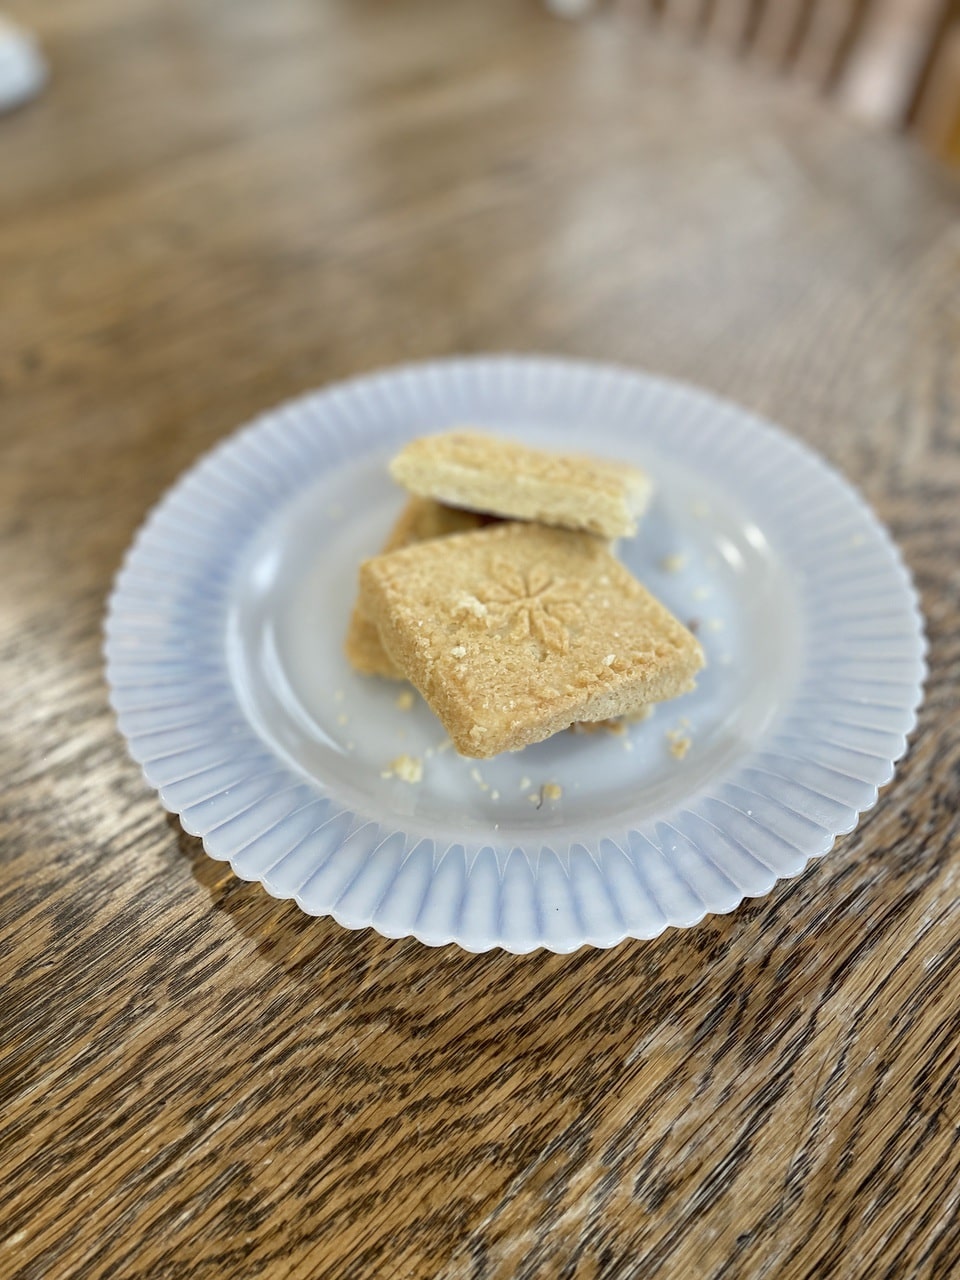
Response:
column 420, row 519
column 506, row 631
column 486, row 473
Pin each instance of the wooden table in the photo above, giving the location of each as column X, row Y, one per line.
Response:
column 219, row 204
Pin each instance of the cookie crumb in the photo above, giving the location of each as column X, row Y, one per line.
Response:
column 525, row 784
column 700, row 510
column 445, row 745
column 641, row 714
column 350, row 746
column 406, row 768
column 343, row 719
column 679, row 743
column 616, row 726
column 404, row 700
column 714, row 624
column 673, row 563
column 477, row 777
column 338, row 696
column 494, row 795
column 535, row 798
column 552, row 791
column 702, row 593
column 470, row 604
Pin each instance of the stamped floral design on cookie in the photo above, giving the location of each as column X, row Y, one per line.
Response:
column 532, row 603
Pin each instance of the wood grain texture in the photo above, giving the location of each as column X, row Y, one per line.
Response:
column 219, row 204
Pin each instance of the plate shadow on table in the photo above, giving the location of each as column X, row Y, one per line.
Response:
column 738, row 983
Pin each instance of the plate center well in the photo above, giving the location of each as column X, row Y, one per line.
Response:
column 705, row 560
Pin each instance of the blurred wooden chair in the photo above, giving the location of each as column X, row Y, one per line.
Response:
column 893, row 62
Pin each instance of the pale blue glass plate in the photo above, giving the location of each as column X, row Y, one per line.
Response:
column 225, row 664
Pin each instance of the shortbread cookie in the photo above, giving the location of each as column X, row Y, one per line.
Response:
column 420, row 519
column 514, row 632
column 486, row 473
column 364, row 651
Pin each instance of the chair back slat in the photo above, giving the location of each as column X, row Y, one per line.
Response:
column 905, row 52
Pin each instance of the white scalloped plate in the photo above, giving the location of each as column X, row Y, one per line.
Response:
column 225, row 664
